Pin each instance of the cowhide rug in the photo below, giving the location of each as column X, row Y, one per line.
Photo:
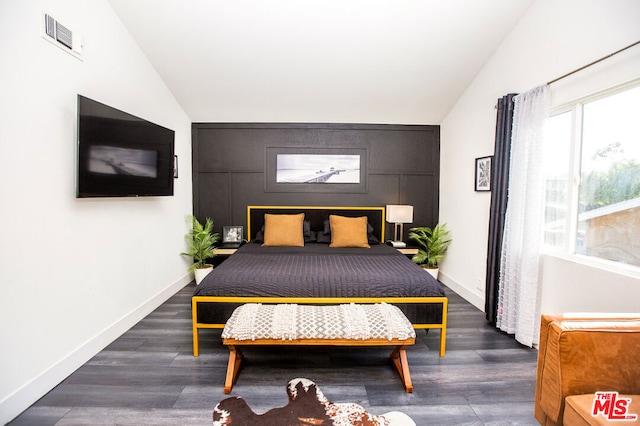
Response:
column 307, row 406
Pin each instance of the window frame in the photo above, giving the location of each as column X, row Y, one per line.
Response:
column 567, row 250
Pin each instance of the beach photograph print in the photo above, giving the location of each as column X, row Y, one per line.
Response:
column 317, row 168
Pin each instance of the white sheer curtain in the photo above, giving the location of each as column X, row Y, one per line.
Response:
column 518, row 293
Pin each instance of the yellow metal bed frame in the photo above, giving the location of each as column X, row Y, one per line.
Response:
column 196, row 326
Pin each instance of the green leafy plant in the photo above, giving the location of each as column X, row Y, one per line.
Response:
column 432, row 244
column 200, row 243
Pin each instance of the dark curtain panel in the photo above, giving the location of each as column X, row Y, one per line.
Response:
column 499, row 195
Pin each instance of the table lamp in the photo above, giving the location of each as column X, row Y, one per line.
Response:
column 398, row 215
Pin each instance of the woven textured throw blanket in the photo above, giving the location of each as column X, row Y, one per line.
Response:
column 255, row 321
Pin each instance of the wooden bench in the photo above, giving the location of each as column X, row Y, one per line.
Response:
column 352, row 324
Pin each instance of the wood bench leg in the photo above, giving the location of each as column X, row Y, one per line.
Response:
column 399, row 358
column 233, row 368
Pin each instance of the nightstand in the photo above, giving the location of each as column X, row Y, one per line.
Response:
column 225, row 251
column 222, row 254
column 408, row 251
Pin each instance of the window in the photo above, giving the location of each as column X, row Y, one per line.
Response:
column 557, row 181
column 592, row 178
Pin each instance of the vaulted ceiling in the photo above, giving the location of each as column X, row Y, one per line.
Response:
column 374, row 61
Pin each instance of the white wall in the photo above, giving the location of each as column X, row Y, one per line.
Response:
column 75, row 274
column 552, row 39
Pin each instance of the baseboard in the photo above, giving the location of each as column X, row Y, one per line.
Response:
column 468, row 295
column 29, row 393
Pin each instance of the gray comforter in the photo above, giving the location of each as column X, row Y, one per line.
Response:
column 317, row 270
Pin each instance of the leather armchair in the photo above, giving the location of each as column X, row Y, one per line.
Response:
column 581, row 354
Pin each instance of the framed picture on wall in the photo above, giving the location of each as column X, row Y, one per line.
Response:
column 175, row 166
column 328, row 170
column 483, row 173
column 318, row 168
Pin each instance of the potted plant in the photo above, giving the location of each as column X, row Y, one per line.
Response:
column 432, row 245
column 200, row 244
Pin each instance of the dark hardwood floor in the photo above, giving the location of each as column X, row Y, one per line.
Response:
column 149, row 376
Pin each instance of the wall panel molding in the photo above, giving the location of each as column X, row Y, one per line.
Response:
column 230, row 167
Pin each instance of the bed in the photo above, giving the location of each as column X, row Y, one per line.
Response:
column 329, row 263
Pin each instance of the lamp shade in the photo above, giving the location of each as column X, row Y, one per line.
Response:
column 399, row 213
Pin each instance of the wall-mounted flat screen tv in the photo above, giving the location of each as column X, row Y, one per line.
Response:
column 121, row 155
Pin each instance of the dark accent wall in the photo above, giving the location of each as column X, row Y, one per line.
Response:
column 232, row 168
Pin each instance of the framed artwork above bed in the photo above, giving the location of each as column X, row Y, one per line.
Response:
column 303, row 169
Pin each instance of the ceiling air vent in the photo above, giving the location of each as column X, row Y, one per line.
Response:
column 50, row 26
column 64, row 35
column 61, row 36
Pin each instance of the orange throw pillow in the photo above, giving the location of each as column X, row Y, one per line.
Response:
column 348, row 231
column 283, row 230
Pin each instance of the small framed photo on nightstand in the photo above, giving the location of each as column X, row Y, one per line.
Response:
column 232, row 235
